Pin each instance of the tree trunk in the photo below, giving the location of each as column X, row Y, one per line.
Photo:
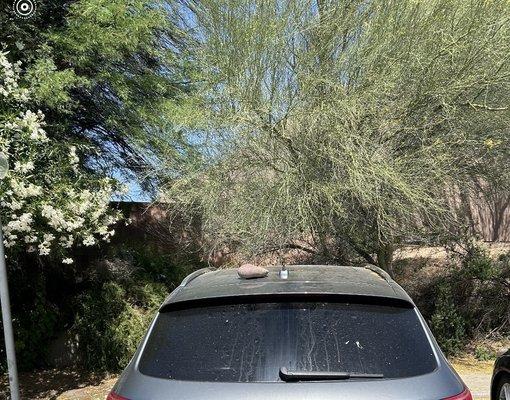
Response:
column 385, row 257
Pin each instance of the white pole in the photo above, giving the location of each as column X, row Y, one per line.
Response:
column 7, row 323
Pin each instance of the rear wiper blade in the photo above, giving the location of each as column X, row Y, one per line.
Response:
column 294, row 376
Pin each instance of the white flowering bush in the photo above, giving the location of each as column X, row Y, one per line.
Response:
column 48, row 203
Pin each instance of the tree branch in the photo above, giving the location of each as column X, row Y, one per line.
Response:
column 362, row 252
column 484, row 107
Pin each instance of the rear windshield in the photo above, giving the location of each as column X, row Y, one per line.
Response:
column 251, row 342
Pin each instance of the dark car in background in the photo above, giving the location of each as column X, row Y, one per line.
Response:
column 314, row 333
column 500, row 386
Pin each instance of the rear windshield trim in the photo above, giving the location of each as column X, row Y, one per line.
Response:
column 284, row 298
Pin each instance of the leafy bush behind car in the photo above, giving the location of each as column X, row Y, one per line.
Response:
column 105, row 310
column 471, row 299
column 111, row 320
column 112, row 317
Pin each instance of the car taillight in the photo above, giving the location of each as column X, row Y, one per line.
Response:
column 115, row 396
column 465, row 395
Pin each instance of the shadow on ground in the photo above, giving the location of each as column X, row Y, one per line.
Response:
column 50, row 384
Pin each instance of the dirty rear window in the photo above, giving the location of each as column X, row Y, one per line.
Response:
column 251, row 342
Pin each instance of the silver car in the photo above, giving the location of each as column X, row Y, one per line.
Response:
column 310, row 333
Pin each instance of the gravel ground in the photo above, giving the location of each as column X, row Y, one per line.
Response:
column 476, row 375
column 479, row 384
column 98, row 392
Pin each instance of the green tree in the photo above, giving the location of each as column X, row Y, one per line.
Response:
column 342, row 127
column 105, row 77
column 105, row 73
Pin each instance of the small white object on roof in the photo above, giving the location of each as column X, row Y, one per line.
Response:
column 251, row 271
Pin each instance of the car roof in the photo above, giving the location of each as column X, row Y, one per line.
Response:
column 304, row 280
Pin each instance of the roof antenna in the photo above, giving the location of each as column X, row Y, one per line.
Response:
column 284, row 272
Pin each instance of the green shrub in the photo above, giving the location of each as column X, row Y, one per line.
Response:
column 36, row 319
column 112, row 319
column 34, row 329
column 483, row 292
column 483, row 353
column 114, row 313
column 472, row 300
column 159, row 267
column 477, row 264
column 446, row 323
column 106, row 299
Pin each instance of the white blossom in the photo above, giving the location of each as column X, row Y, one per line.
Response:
column 43, row 250
column 13, row 205
column 23, row 190
column 30, row 239
column 9, row 78
column 48, row 237
column 73, row 158
column 89, row 240
column 39, row 206
column 21, row 224
column 67, row 241
column 23, row 167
